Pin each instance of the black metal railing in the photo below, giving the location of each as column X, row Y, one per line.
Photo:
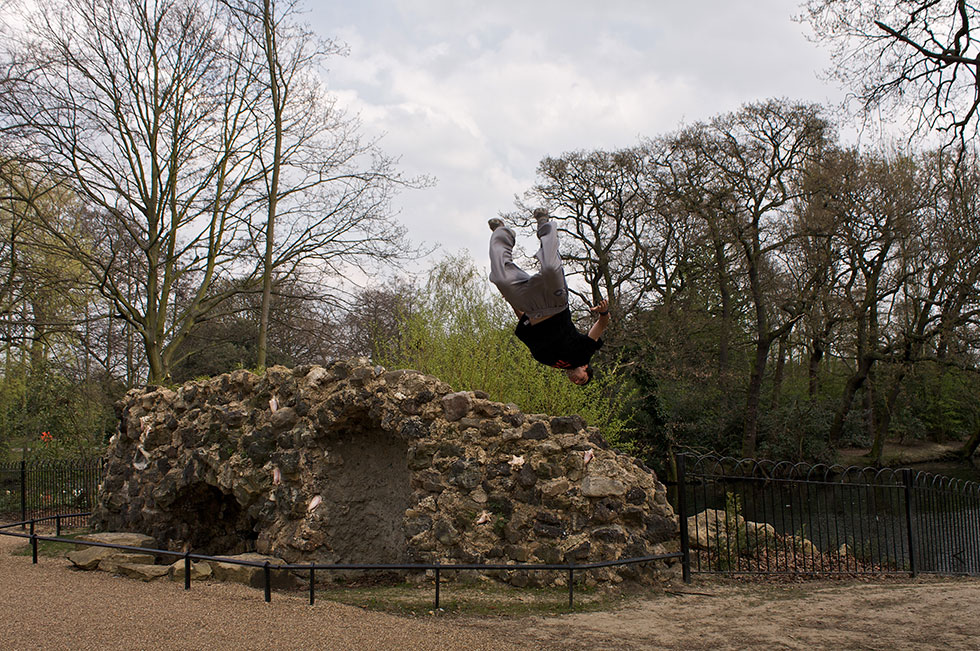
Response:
column 739, row 516
column 763, row 517
column 31, row 489
column 312, row 568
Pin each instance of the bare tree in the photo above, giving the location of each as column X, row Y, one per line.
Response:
column 691, row 194
column 324, row 198
column 599, row 200
column 906, row 54
column 137, row 107
column 878, row 201
column 759, row 156
column 200, row 134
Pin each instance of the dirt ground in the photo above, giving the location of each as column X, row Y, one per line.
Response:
column 51, row 606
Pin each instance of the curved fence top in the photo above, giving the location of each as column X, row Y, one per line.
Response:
column 708, row 466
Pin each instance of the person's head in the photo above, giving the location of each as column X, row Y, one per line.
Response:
column 580, row 375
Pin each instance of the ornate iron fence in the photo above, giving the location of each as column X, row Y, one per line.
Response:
column 763, row 517
column 31, row 489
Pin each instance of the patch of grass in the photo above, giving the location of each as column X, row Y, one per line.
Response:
column 48, row 548
column 483, row 599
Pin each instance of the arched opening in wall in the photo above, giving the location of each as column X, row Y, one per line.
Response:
column 211, row 522
column 366, row 492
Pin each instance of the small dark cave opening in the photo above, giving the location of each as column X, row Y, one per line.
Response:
column 208, row 521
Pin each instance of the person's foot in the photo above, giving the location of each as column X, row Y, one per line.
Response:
column 495, row 223
column 541, row 215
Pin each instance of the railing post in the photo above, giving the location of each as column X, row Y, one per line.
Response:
column 57, row 526
column 268, row 582
column 682, row 508
column 571, row 585
column 910, row 524
column 437, row 586
column 312, row 580
column 187, row 570
column 23, row 490
column 33, row 544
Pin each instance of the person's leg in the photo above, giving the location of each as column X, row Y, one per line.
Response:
column 541, row 295
column 504, row 273
column 552, row 272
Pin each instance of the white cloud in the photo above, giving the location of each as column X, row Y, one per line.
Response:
column 477, row 93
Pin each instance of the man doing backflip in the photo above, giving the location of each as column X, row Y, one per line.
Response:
column 541, row 302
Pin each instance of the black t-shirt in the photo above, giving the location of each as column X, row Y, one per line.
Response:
column 556, row 342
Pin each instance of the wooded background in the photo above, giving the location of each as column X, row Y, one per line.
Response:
column 180, row 197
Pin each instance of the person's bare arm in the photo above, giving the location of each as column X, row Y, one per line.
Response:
column 601, row 309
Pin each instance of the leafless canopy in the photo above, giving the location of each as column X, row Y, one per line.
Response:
column 906, row 55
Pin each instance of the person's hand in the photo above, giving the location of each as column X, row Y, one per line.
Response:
column 601, row 308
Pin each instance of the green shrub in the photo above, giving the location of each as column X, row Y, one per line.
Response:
column 464, row 336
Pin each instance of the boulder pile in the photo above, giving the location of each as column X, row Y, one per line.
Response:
column 350, row 463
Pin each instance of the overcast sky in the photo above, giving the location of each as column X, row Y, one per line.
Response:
column 476, row 94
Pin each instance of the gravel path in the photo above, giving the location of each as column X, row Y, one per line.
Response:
column 50, row 606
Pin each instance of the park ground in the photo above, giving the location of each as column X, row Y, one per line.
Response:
column 51, row 606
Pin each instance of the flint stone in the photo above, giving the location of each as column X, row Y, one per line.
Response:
column 548, row 530
column 577, row 550
column 602, row 487
column 636, row 495
column 284, row 418
column 554, row 488
column 536, row 431
column 511, row 434
column 567, row 424
column 609, row 534
column 317, row 376
column 456, row 405
column 548, row 448
column 548, row 553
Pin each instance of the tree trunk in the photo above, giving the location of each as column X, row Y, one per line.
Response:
column 777, row 378
column 726, row 304
column 970, row 447
column 816, row 354
column 855, row 382
column 271, row 53
column 884, row 421
column 750, row 427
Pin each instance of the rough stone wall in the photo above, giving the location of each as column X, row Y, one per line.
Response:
column 350, row 463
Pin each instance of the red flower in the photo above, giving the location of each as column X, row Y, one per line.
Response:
column 46, row 437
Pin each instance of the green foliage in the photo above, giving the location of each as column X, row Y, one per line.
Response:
column 796, row 430
column 937, row 403
column 464, row 336
column 50, row 416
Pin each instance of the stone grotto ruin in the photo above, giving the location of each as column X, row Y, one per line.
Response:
column 350, row 463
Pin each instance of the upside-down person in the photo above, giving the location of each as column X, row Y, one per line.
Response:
column 541, row 302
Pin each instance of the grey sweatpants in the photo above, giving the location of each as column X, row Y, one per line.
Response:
column 541, row 295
